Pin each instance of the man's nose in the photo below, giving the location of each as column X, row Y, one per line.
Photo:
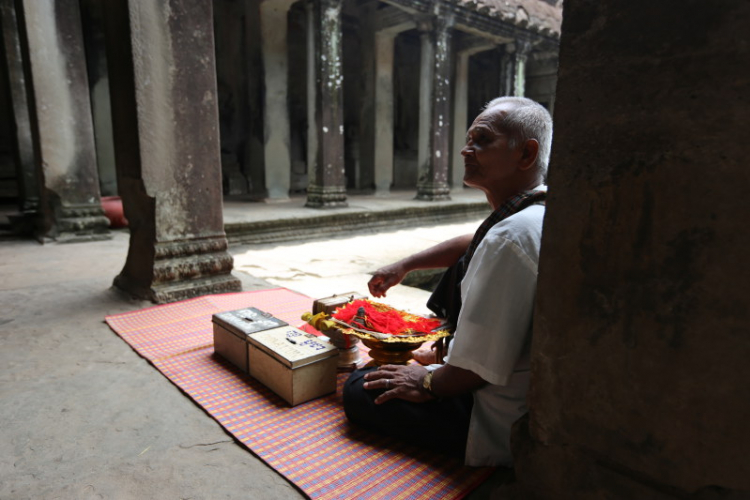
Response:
column 466, row 151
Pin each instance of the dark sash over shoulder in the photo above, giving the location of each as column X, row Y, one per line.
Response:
column 445, row 301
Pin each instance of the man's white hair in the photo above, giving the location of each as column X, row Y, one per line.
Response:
column 526, row 120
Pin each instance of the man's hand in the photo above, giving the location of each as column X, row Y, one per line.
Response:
column 425, row 357
column 400, row 382
column 386, row 277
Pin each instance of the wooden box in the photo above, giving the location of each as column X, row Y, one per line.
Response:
column 296, row 365
column 232, row 329
column 329, row 304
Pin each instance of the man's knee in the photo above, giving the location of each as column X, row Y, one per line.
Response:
column 358, row 402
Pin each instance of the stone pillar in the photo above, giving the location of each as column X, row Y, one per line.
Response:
column 433, row 154
column 254, row 146
column 366, row 133
column 507, row 70
column 24, row 147
column 277, row 153
column 165, row 121
column 639, row 383
column 383, row 150
column 461, row 113
column 312, row 90
column 327, row 180
column 62, row 128
column 523, row 48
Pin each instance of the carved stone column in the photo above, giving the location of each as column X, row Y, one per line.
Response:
column 62, row 128
column 507, row 69
column 277, row 153
column 433, row 155
column 23, row 142
column 327, row 180
column 523, row 48
column 165, row 123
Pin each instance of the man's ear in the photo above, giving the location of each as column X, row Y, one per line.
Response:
column 528, row 154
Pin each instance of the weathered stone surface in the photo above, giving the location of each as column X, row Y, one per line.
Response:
column 167, row 148
column 435, row 108
column 640, row 357
column 61, row 123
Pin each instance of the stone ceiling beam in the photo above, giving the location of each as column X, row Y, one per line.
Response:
column 484, row 23
column 394, row 20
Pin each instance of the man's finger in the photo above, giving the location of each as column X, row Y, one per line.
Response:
column 390, row 368
column 386, row 396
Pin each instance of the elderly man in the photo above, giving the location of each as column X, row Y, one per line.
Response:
column 467, row 406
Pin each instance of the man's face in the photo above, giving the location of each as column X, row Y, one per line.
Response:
column 488, row 160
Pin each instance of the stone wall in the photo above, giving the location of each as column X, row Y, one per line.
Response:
column 640, row 356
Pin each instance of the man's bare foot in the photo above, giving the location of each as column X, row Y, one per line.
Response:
column 424, row 356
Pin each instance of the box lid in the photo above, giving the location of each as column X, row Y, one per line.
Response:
column 292, row 346
column 243, row 322
column 329, row 304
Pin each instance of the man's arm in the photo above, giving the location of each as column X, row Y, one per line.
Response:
column 406, row 382
column 443, row 254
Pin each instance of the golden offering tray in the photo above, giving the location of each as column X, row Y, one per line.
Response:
column 396, row 350
column 384, row 348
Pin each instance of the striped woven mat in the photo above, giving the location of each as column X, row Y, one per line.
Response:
column 311, row 444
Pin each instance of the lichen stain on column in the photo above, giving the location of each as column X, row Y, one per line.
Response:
column 330, row 48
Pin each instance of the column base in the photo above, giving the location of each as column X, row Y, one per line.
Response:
column 80, row 223
column 326, row 197
column 433, row 192
column 180, row 290
column 194, row 288
column 184, row 269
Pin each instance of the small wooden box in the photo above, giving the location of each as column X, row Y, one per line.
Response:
column 232, row 329
column 329, row 304
column 296, row 365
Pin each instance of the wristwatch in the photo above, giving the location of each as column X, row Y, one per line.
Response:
column 427, row 383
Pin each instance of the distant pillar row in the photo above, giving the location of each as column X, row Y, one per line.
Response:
column 438, row 154
column 165, row 123
column 327, row 186
column 433, row 154
column 62, row 132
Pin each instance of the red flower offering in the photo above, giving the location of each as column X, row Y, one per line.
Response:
column 377, row 317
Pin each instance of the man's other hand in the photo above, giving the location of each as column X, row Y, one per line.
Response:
column 399, row 382
column 384, row 278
